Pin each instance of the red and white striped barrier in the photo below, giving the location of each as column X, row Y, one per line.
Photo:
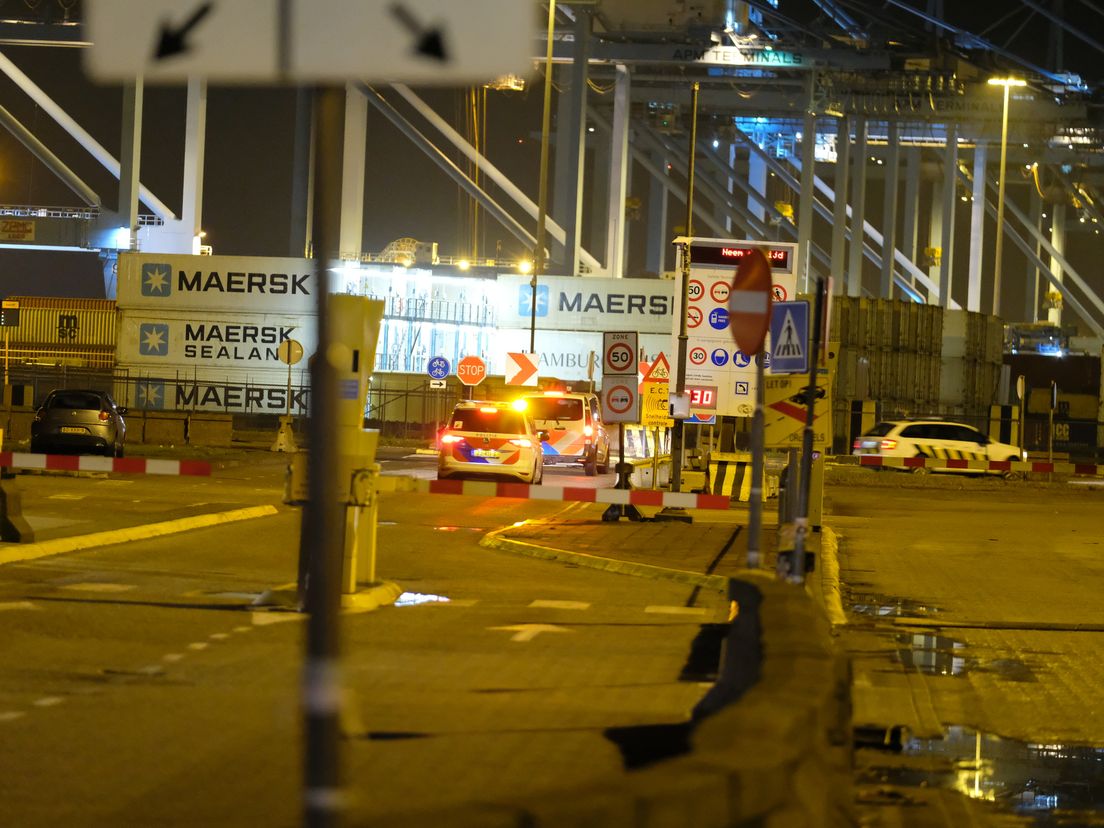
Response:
column 877, row 461
column 635, row 497
column 88, row 462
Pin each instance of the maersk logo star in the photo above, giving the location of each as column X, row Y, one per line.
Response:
column 151, row 395
column 156, row 279
column 525, row 300
column 153, row 339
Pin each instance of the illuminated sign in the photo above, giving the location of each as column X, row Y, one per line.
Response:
column 779, row 257
column 703, row 396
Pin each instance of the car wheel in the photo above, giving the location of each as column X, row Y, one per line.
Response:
column 538, row 475
column 590, row 467
column 603, row 468
column 119, row 450
column 921, row 469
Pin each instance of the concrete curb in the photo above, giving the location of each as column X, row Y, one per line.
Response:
column 830, row 577
column 493, row 540
column 58, row 546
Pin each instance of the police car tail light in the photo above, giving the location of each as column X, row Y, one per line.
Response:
column 588, row 431
column 523, row 442
column 103, row 416
column 450, row 438
column 888, row 445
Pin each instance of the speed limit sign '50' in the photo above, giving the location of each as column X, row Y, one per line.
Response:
column 619, row 353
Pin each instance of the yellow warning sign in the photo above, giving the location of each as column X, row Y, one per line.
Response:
column 785, row 411
column 655, row 394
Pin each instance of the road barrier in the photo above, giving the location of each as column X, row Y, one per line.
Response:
column 524, row 491
column 118, row 465
column 1015, row 466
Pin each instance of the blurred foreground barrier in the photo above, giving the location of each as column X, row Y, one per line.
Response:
column 118, row 465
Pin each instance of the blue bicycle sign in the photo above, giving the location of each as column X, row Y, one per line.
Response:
column 438, row 367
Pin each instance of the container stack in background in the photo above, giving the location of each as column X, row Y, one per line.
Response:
column 972, row 352
column 888, row 362
column 56, row 331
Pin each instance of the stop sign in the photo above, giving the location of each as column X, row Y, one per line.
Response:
column 471, row 370
column 749, row 302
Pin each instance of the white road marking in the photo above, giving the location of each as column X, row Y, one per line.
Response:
column 11, row 715
column 66, row 497
column 527, row 632
column 661, row 610
column 95, row 586
column 219, row 636
column 570, row 605
column 171, row 657
column 48, row 701
column 18, row 605
column 151, row 670
column 198, row 645
column 264, row 619
column 243, row 629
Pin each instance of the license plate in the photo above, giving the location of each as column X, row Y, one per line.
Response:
column 73, row 430
column 485, row 453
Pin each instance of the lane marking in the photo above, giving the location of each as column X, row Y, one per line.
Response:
column 660, row 610
column 527, row 632
column 18, row 605
column 11, row 715
column 48, row 701
column 568, row 605
column 265, row 619
column 198, row 645
column 66, row 497
column 243, row 629
column 171, row 657
column 97, row 586
column 219, row 636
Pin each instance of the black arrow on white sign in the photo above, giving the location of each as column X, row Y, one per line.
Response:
column 431, row 42
column 173, row 38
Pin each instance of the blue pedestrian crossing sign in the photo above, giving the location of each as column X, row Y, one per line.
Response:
column 438, row 367
column 789, row 337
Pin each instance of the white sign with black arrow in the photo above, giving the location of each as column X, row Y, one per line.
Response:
column 257, row 41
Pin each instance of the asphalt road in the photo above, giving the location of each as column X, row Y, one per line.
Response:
column 139, row 686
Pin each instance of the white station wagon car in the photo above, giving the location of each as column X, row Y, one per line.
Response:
column 937, row 439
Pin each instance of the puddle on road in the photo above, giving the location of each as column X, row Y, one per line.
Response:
column 933, row 655
column 1052, row 783
column 887, row 606
column 938, row 655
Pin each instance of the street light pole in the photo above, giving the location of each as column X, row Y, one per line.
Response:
column 1007, row 83
column 542, row 198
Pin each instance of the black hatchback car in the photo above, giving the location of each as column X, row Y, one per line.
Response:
column 79, row 420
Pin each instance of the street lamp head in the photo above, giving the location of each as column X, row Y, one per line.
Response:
column 1006, row 82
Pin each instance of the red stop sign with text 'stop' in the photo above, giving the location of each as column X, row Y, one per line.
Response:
column 749, row 302
column 471, row 370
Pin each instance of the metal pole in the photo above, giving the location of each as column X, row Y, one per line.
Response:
column 542, row 198
column 801, row 522
column 324, row 515
column 755, row 506
column 1000, row 207
column 680, row 363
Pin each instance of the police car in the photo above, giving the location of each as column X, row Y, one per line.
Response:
column 572, row 423
column 937, row 439
column 490, row 439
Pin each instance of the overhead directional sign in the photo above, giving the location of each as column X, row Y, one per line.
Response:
column 521, row 369
column 789, row 332
column 417, row 41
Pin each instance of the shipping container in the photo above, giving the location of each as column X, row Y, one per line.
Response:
column 48, row 321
